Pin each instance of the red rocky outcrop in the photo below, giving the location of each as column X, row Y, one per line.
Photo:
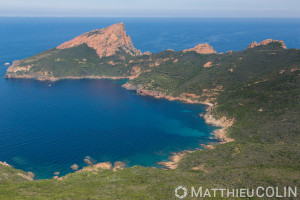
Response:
column 266, row 42
column 106, row 41
column 202, row 49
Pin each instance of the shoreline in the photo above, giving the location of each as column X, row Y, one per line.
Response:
column 53, row 79
column 160, row 95
column 220, row 134
column 223, row 122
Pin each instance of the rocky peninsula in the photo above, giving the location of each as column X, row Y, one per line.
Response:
column 196, row 75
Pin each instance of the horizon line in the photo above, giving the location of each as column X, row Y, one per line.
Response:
column 287, row 17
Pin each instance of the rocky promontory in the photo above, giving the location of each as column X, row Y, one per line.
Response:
column 106, row 41
column 267, row 42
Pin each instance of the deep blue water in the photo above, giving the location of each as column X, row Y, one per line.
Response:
column 45, row 128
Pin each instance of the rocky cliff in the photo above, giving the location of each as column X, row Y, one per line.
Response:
column 106, row 41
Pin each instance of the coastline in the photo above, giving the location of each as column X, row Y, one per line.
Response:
column 222, row 122
column 54, row 79
column 159, row 95
column 172, row 163
column 220, row 134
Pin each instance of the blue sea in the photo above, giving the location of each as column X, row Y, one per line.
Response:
column 46, row 127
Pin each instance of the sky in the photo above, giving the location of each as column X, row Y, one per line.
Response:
column 150, row 8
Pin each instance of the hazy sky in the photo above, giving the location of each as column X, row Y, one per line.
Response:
column 151, row 8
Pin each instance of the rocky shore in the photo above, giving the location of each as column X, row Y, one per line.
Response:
column 223, row 122
column 96, row 168
column 220, row 134
column 28, row 175
column 174, row 159
column 53, row 79
column 45, row 76
column 185, row 98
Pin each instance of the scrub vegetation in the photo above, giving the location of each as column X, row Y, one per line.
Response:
column 258, row 88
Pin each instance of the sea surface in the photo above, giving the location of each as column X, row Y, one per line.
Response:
column 46, row 127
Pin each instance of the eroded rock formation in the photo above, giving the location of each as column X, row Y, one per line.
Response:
column 106, row 41
column 267, row 42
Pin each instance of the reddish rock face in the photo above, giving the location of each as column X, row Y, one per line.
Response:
column 253, row 44
column 106, row 41
column 202, row 49
column 75, row 167
column 147, row 53
column 266, row 42
column 208, row 64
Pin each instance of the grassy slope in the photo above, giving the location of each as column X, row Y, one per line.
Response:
column 77, row 61
column 266, row 150
column 9, row 174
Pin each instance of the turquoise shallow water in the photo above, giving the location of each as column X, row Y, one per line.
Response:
column 47, row 127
